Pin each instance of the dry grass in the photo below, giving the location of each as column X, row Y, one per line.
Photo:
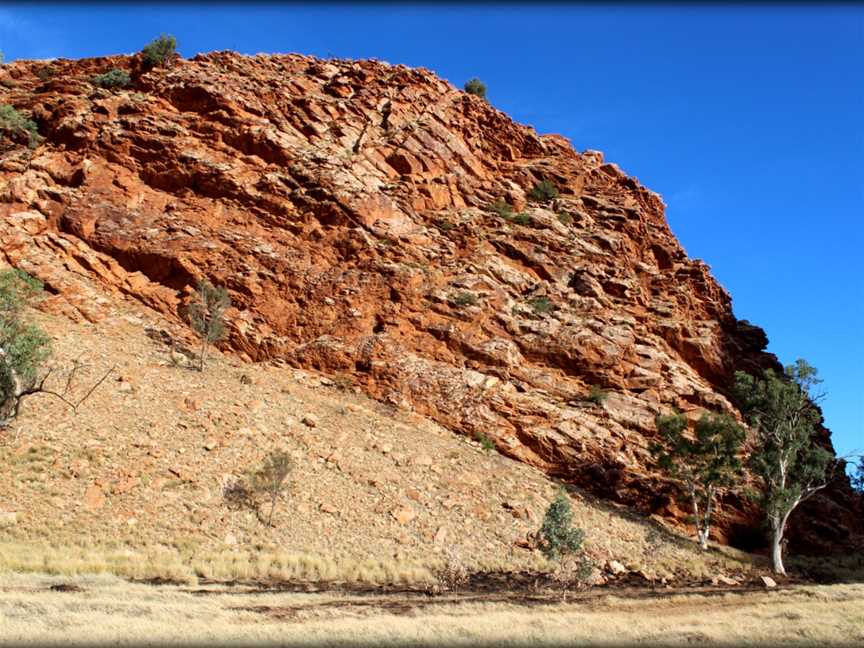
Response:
column 110, row 610
column 186, row 564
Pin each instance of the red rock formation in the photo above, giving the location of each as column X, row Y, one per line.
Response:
column 345, row 205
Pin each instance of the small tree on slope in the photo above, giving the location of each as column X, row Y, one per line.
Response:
column 23, row 346
column 782, row 413
column 557, row 532
column 207, row 314
column 702, row 465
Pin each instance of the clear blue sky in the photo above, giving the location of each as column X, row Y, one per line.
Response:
column 747, row 120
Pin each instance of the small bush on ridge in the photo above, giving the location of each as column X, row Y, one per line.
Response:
column 476, row 87
column 160, row 51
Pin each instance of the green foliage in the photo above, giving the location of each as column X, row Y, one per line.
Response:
column 782, row 413
column 115, row 78
column 541, row 304
column 159, row 51
column 15, row 125
column 544, row 191
column 701, row 464
column 522, row 219
column 476, row 87
column 565, row 218
column 485, row 441
column 596, row 395
column 465, row 299
column 23, row 346
column 445, row 225
column 557, row 532
column 503, row 209
column 207, row 315
column 857, row 479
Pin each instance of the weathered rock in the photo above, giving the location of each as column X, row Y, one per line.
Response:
column 403, row 514
column 8, row 518
column 94, row 497
column 724, row 580
column 616, row 567
column 357, row 242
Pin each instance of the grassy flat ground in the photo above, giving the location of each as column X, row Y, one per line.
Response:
column 97, row 610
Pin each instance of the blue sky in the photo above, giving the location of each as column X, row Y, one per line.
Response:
column 747, row 120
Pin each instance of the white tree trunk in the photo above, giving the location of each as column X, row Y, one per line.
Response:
column 777, row 552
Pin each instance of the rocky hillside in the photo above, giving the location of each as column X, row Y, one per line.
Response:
column 346, row 207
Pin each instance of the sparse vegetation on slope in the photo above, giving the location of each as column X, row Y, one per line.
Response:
column 14, row 126
column 115, row 78
column 207, row 316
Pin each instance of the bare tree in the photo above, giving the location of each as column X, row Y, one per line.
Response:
column 270, row 479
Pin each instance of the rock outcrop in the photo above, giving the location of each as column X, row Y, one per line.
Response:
column 346, row 207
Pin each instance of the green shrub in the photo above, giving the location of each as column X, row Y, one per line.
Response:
column 596, row 395
column 46, row 73
column 557, row 533
column 445, row 225
column 485, row 441
column 541, row 304
column 565, row 218
column 115, row 78
column 159, row 51
column 465, row 299
column 522, row 219
column 503, row 209
column 476, row 87
column 544, row 191
column 16, row 125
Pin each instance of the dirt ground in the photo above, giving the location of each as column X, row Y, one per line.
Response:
column 103, row 610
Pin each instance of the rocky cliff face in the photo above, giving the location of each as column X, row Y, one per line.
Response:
column 345, row 205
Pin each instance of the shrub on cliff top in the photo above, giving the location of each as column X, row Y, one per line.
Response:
column 476, row 87
column 160, row 51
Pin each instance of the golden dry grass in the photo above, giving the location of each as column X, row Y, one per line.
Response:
column 110, row 610
column 186, row 565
